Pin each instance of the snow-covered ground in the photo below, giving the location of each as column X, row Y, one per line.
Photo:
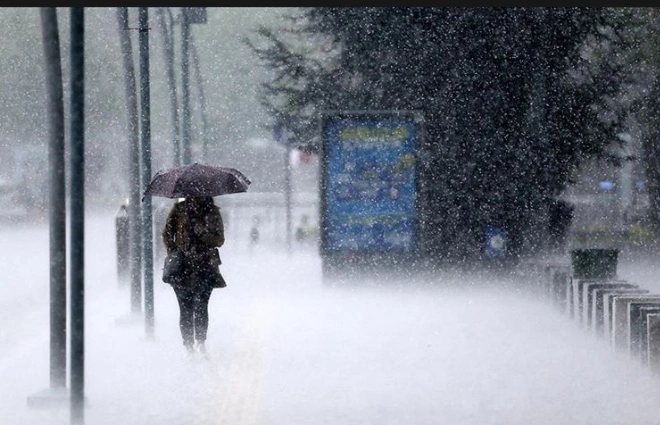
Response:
column 286, row 349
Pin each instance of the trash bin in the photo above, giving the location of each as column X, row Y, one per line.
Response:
column 594, row 263
column 121, row 229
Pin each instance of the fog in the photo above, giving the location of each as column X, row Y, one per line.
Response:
column 239, row 132
column 456, row 345
column 286, row 347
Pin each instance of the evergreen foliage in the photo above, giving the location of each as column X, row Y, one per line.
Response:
column 512, row 98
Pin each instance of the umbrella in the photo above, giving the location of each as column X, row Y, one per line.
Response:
column 197, row 180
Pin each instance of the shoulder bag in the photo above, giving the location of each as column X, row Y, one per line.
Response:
column 173, row 267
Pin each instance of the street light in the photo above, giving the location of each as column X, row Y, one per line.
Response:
column 189, row 15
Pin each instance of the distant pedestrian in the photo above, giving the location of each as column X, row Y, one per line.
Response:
column 305, row 232
column 194, row 226
column 254, row 230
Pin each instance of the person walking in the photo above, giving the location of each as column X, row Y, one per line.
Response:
column 194, row 226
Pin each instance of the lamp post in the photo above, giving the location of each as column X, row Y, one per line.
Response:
column 167, row 36
column 189, row 15
column 134, row 205
column 145, row 145
column 77, row 220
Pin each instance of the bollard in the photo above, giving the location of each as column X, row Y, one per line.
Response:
column 620, row 318
column 643, row 331
column 121, row 229
column 653, row 338
column 582, row 291
column 562, row 280
column 602, row 302
column 591, row 302
column 559, row 281
column 594, row 263
column 637, row 312
column 548, row 278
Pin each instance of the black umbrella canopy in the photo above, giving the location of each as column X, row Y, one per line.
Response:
column 197, row 180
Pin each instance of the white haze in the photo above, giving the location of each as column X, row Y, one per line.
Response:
column 287, row 349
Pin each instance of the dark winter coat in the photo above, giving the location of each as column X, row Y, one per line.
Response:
column 196, row 228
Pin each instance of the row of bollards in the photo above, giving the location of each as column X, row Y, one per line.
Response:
column 589, row 292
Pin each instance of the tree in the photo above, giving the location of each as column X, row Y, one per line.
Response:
column 638, row 49
column 511, row 104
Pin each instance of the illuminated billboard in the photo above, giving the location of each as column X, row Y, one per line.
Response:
column 369, row 181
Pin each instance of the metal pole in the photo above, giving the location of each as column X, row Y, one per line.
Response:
column 145, row 132
column 77, row 215
column 287, row 195
column 57, row 201
column 185, row 86
column 135, row 242
column 168, row 49
column 202, row 98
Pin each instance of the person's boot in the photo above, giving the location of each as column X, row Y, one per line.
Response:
column 190, row 348
column 201, row 348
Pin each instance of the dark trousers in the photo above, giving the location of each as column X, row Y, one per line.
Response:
column 193, row 312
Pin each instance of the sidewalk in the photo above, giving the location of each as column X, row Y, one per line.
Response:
column 285, row 349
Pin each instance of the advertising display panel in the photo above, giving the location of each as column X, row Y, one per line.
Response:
column 369, row 181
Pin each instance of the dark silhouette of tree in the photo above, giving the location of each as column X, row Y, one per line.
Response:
column 637, row 50
column 512, row 105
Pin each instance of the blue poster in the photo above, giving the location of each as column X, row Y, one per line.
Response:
column 370, row 183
